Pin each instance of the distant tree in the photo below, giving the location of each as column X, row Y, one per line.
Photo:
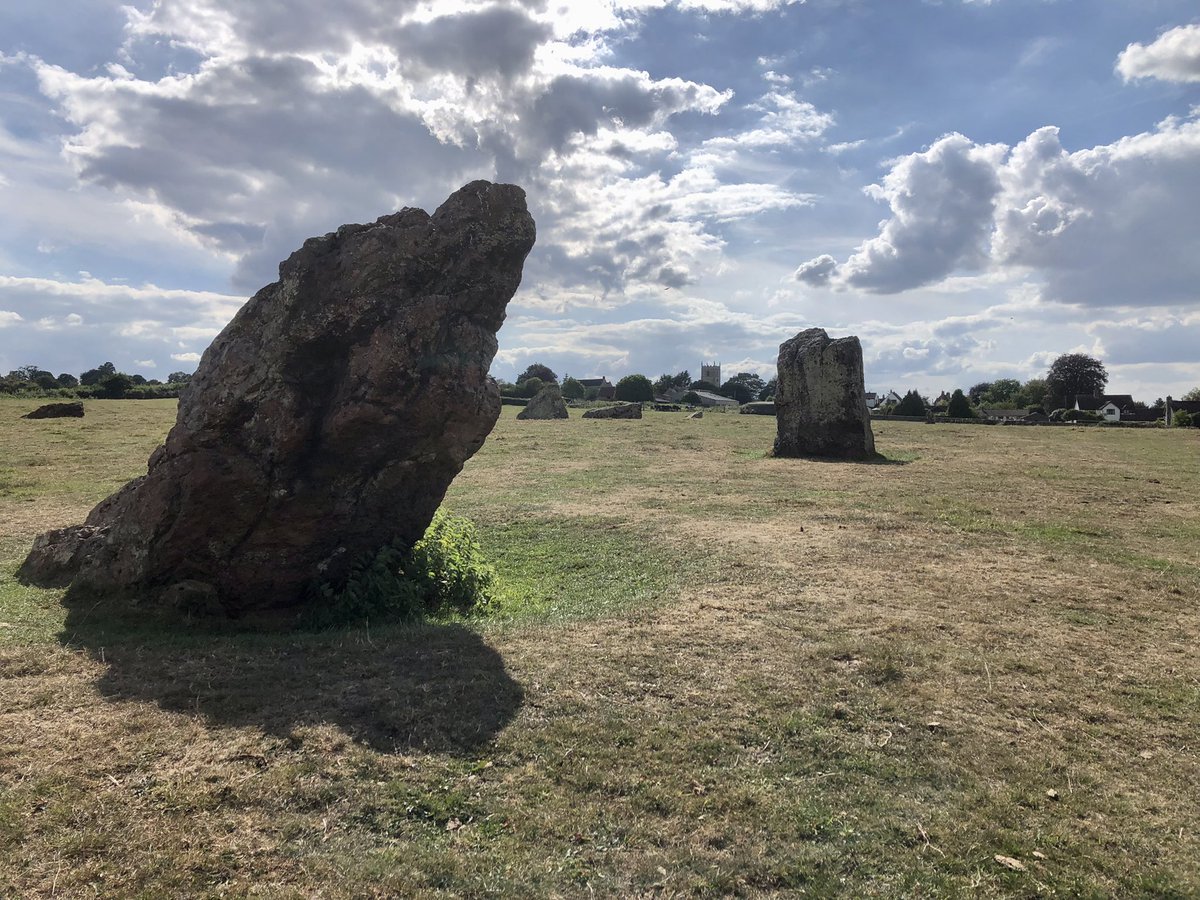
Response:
column 743, row 385
column 45, row 380
column 1002, row 392
column 634, row 388
column 138, row 379
column 691, row 398
column 769, row 389
column 1032, row 395
column 1072, row 374
column 910, row 405
column 98, row 374
column 537, row 370
column 977, row 391
column 665, row 382
column 704, row 386
column 116, row 385
column 959, row 406
column 528, row 387
column 739, row 391
column 178, row 378
column 1192, row 395
column 67, row 380
column 572, row 389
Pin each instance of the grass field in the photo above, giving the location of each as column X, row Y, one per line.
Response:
column 969, row 669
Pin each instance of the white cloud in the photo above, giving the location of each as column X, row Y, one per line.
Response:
column 784, row 120
column 186, row 357
column 817, row 271
column 1174, row 56
column 225, row 152
column 942, row 203
column 123, row 322
column 1111, row 225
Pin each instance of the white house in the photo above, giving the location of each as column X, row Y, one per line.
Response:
column 1109, row 406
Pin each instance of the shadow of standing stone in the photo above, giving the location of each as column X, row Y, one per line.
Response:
column 432, row 688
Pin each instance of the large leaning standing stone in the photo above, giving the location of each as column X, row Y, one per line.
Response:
column 327, row 419
column 820, row 404
column 546, row 404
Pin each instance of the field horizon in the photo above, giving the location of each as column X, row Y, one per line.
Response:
column 968, row 668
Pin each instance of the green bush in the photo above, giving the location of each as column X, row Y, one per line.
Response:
column 1181, row 418
column 572, row 389
column 959, row 406
column 443, row 573
column 634, row 388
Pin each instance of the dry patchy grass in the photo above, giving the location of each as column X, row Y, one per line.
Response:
column 714, row 673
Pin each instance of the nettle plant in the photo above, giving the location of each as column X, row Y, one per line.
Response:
column 443, row 574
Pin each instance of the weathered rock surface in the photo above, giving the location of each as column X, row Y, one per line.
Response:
column 758, row 408
column 820, row 404
column 545, row 404
column 56, row 411
column 621, row 411
column 327, row 419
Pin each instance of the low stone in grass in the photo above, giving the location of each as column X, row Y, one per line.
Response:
column 545, row 404
column 820, row 404
column 621, row 411
column 57, row 411
column 758, row 408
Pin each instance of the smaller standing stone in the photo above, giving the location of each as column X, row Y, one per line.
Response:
column 820, row 404
column 57, row 411
column 621, row 411
column 698, row 414
column 546, row 404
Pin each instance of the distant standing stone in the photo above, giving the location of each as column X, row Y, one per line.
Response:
column 57, row 411
column 820, row 404
column 545, row 404
column 622, row 411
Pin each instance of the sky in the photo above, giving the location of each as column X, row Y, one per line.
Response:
column 972, row 187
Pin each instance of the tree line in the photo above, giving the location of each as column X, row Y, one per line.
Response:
column 105, row 381
column 1069, row 376
column 742, row 387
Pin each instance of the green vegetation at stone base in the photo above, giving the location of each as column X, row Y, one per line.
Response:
column 442, row 574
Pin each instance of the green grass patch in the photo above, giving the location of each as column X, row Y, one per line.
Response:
column 28, row 615
column 554, row 570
